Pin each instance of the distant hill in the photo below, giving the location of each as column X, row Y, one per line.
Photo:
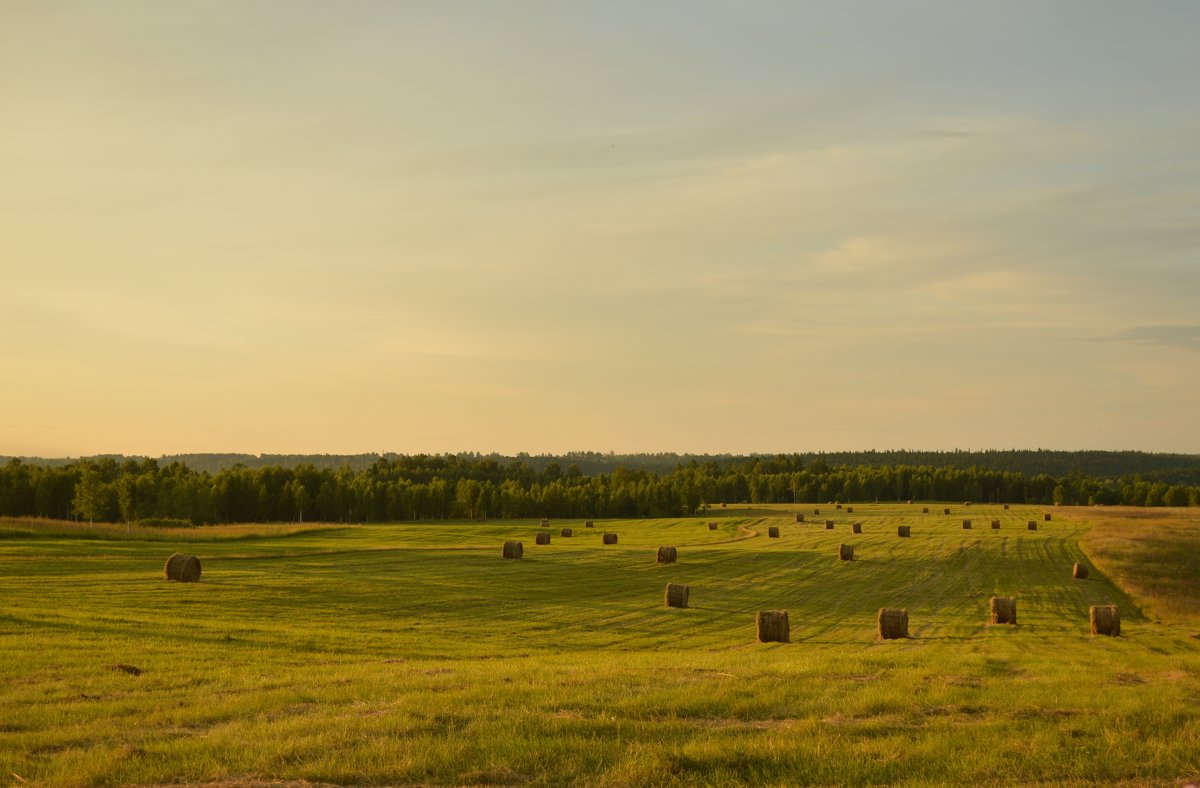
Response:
column 1170, row 468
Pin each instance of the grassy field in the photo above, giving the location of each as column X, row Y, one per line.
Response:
column 401, row 654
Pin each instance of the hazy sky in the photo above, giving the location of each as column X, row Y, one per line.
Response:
column 295, row 226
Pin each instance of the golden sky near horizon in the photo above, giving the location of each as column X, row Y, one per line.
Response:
column 278, row 226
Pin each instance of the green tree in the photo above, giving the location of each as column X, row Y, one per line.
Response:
column 91, row 498
column 300, row 497
column 466, row 497
column 1176, row 495
column 137, row 495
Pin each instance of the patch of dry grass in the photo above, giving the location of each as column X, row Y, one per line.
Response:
column 1152, row 554
column 34, row 526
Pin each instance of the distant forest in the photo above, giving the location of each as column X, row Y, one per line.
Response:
column 221, row 488
column 1170, row 468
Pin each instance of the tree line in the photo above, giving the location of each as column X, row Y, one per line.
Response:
column 435, row 487
column 1170, row 468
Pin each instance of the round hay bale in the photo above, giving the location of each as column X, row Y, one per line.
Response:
column 545, row 523
column 799, row 517
column 722, row 504
column 909, row 502
column 182, row 568
column 566, row 532
column 1106, row 620
column 1032, row 525
column 924, row 510
column 542, row 539
column 893, row 623
column 588, row 524
column 1079, row 571
column 829, row 525
column 513, row 550
column 610, row 537
column 1004, row 609
column 846, row 552
column 966, row 525
column 667, row 555
column 837, row 506
column 773, row 626
column 995, row 525
column 1046, row 517
column 816, row 511
column 946, row 510
column 849, row 510
column 1005, row 506
column 712, row 526
column 856, row 528
column 903, row 530
column 773, row 532
column 966, row 503
column 676, row 595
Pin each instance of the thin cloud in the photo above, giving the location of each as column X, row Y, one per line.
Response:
column 945, row 134
column 1181, row 336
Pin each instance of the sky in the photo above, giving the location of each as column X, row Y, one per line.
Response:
column 322, row 227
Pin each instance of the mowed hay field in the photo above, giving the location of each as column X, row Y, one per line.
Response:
column 401, row 654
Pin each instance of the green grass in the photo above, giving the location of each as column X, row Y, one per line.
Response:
column 399, row 654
